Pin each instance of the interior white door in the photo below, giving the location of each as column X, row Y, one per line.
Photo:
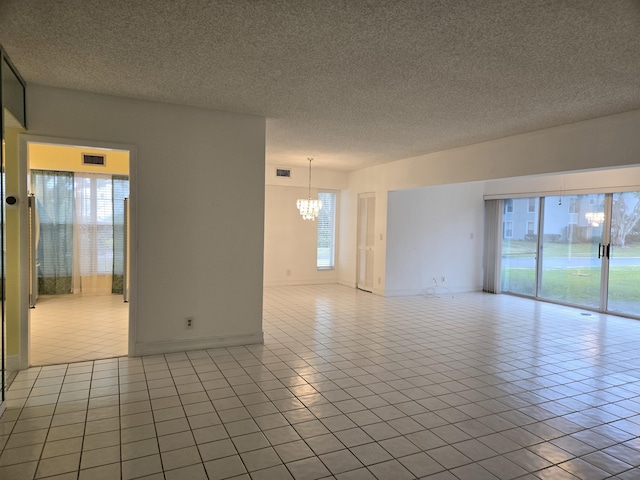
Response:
column 366, row 238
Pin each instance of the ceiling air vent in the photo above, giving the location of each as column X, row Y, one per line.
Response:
column 283, row 172
column 89, row 159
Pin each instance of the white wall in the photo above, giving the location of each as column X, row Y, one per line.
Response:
column 198, row 195
column 322, row 178
column 289, row 241
column 605, row 142
column 597, row 181
column 362, row 181
column 435, row 232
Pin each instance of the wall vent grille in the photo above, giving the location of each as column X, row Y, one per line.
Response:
column 283, row 172
column 90, row 159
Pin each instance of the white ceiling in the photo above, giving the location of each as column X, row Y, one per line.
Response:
column 350, row 82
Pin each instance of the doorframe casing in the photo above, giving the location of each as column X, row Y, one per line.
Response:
column 23, row 141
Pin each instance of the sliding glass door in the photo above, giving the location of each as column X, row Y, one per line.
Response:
column 571, row 249
column 519, row 245
column 12, row 113
column 623, row 293
column 579, row 250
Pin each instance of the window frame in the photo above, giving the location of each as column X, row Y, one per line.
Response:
column 573, row 205
column 508, row 205
column 531, row 228
column 333, row 233
column 508, row 228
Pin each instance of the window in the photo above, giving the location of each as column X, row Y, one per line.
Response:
column 508, row 205
column 573, row 205
column 532, row 205
column 529, row 228
column 81, row 231
column 94, row 223
column 508, row 229
column 325, row 256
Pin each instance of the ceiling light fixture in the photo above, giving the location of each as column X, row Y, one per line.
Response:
column 309, row 209
column 595, row 219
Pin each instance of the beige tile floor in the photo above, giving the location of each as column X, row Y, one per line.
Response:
column 349, row 385
column 73, row 328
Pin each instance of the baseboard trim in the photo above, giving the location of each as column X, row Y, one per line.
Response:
column 440, row 291
column 292, row 283
column 12, row 363
column 347, row 283
column 156, row 348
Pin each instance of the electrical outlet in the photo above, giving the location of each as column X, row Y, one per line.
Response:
column 288, row 273
column 188, row 322
column 442, row 278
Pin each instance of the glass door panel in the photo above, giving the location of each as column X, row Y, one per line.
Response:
column 3, row 379
column 571, row 249
column 624, row 257
column 519, row 245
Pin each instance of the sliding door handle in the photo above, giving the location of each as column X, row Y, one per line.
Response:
column 600, row 250
column 609, row 250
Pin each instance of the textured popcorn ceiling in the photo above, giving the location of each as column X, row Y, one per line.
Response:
column 351, row 83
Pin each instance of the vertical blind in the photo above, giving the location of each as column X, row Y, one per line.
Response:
column 120, row 192
column 492, row 245
column 81, row 231
column 56, row 207
column 325, row 257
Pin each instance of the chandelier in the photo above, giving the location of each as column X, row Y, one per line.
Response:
column 309, row 209
column 595, row 219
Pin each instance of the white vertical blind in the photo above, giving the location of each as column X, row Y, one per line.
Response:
column 325, row 256
column 55, row 204
column 492, row 245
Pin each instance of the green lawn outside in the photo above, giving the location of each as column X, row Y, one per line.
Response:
column 571, row 285
column 577, row 286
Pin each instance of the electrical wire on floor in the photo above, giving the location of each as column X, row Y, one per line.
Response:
column 436, row 290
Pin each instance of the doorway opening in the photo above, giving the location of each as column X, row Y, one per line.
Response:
column 78, row 256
